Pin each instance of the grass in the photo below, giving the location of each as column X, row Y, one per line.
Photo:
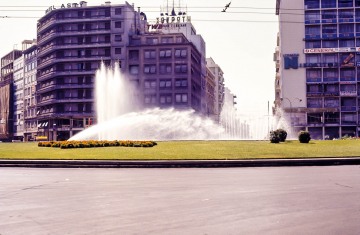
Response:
column 187, row 150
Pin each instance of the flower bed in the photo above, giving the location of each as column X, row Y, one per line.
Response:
column 96, row 143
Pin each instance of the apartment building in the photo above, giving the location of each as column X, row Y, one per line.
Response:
column 319, row 77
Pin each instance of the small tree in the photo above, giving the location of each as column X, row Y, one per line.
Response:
column 274, row 137
column 282, row 134
column 304, row 137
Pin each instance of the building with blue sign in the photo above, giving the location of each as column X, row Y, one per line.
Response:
column 318, row 66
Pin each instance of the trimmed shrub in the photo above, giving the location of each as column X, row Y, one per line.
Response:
column 94, row 143
column 282, row 134
column 274, row 137
column 304, row 137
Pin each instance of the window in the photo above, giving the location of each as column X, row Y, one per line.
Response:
column 330, row 43
column 165, row 53
column 181, row 68
column 357, row 3
column 331, row 102
column 118, row 38
column 347, row 74
column 328, row 3
column 312, row 15
column 345, row 3
column 181, row 83
column 313, row 73
column 314, row 102
column 117, row 11
column 329, row 15
column 331, row 73
column 346, row 14
column 152, row 41
column 331, row 88
column 346, row 28
column 166, row 99
column 150, row 84
column 118, row 50
column 150, row 54
column 315, row 58
column 347, row 43
column 180, row 53
column 167, row 40
column 330, row 58
column 150, row 99
column 165, row 84
column 149, row 69
column 179, row 39
column 165, row 68
column 134, row 69
column 329, row 29
column 133, row 54
column 311, row 4
column 117, row 24
column 181, row 98
column 313, row 44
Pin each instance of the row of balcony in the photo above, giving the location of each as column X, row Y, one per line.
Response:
column 50, row 61
column 50, row 48
column 45, row 38
column 80, row 19
column 333, row 93
column 329, row 65
column 333, row 20
column 325, row 36
column 332, row 80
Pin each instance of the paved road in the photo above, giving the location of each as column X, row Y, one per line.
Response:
column 277, row 200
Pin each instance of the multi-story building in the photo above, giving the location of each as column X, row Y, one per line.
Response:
column 72, row 42
column 219, row 85
column 168, row 70
column 320, row 73
column 30, row 111
column 6, row 94
column 18, row 99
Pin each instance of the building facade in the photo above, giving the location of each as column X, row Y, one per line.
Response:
column 18, row 98
column 72, row 42
column 6, row 95
column 168, row 70
column 319, row 81
column 30, row 110
column 219, row 93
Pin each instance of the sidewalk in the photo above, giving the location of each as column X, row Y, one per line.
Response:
column 179, row 163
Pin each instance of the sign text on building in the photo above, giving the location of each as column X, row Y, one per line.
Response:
column 67, row 5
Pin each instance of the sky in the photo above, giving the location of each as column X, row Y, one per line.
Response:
column 241, row 40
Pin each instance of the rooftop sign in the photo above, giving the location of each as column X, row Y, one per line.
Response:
column 66, row 5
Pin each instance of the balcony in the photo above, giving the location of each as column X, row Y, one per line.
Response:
column 312, row 36
column 346, row 35
column 312, row 93
column 348, row 93
column 348, row 108
column 313, row 80
column 317, row 21
column 329, row 36
column 331, row 80
column 331, row 93
column 327, row 21
column 346, row 20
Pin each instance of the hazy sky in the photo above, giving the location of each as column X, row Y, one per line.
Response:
column 235, row 39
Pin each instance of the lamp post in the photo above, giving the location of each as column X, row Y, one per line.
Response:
column 291, row 111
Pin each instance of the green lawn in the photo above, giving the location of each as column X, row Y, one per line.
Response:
column 189, row 150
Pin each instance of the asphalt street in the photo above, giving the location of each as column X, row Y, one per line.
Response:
column 264, row 200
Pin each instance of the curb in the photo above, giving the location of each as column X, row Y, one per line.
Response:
column 179, row 163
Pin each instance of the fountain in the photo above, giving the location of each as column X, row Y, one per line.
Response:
column 120, row 117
